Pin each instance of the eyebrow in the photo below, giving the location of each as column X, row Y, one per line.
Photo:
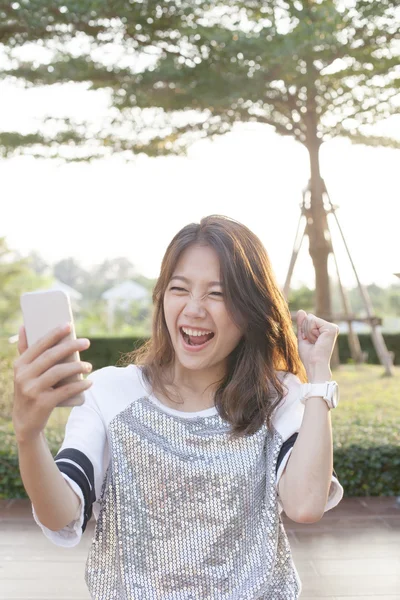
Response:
column 188, row 280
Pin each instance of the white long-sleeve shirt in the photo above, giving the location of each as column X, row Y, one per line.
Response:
column 124, row 448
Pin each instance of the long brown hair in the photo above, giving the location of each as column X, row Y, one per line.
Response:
column 251, row 390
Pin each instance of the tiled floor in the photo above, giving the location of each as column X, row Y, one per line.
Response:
column 353, row 553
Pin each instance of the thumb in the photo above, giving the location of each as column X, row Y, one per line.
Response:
column 301, row 315
column 22, row 342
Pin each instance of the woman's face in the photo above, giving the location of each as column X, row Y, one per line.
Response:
column 195, row 301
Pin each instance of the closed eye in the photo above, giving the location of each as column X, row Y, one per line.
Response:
column 183, row 290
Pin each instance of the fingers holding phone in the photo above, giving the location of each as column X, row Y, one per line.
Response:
column 22, row 341
column 44, row 357
column 36, row 373
column 44, row 312
column 48, row 372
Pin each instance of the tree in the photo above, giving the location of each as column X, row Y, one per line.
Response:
column 311, row 69
column 37, row 263
column 302, row 298
column 16, row 278
column 116, row 270
column 394, row 302
column 105, row 275
column 69, row 271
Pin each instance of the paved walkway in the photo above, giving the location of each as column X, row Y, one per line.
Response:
column 352, row 553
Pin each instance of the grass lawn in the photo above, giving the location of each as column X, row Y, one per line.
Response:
column 368, row 402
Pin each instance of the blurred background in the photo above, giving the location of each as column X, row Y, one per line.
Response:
column 121, row 124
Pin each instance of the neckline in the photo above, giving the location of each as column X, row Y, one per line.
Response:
column 206, row 412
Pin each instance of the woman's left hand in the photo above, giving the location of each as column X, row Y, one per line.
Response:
column 316, row 340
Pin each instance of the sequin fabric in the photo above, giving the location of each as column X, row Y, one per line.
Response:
column 188, row 514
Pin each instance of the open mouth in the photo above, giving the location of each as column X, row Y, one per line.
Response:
column 192, row 340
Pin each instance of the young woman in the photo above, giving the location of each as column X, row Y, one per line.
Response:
column 183, row 452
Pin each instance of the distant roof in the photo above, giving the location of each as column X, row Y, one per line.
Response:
column 397, row 274
column 59, row 285
column 127, row 290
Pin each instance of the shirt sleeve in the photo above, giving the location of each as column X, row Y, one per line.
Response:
column 287, row 421
column 82, row 461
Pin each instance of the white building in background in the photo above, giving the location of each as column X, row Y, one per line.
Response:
column 121, row 296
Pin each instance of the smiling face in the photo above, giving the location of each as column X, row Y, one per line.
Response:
column 193, row 299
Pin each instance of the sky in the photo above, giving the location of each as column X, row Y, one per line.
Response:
column 109, row 208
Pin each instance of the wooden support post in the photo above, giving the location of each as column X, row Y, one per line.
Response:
column 385, row 357
column 295, row 252
column 354, row 343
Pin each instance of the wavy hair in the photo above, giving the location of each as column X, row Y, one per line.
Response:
column 251, row 390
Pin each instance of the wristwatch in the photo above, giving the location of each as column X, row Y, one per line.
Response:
column 329, row 391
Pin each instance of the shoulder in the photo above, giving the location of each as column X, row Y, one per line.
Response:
column 111, row 375
column 288, row 415
column 114, row 388
column 291, row 383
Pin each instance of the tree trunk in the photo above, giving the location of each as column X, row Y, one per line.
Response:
column 320, row 245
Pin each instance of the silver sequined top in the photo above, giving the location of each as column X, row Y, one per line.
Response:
column 183, row 512
column 187, row 514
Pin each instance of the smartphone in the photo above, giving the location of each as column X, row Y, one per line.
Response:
column 43, row 311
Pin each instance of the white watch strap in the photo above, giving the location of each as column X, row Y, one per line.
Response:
column 314, row 389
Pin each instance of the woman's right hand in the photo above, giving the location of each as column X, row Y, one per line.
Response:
column 36, row 371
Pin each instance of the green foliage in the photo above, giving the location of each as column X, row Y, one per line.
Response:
column 8, row 354
column 366, row 432
column 385, row 301
column 302, row 298
column 134, row 320
column 312, row 70
column 91, row 318
column 392, row 341
column 368, row 471
column 16, row 277
column 69, row 271
column 11, row 485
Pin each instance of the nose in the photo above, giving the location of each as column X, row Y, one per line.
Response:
column 194, row 307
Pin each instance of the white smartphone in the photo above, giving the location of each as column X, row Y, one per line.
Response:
column 43, row 311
